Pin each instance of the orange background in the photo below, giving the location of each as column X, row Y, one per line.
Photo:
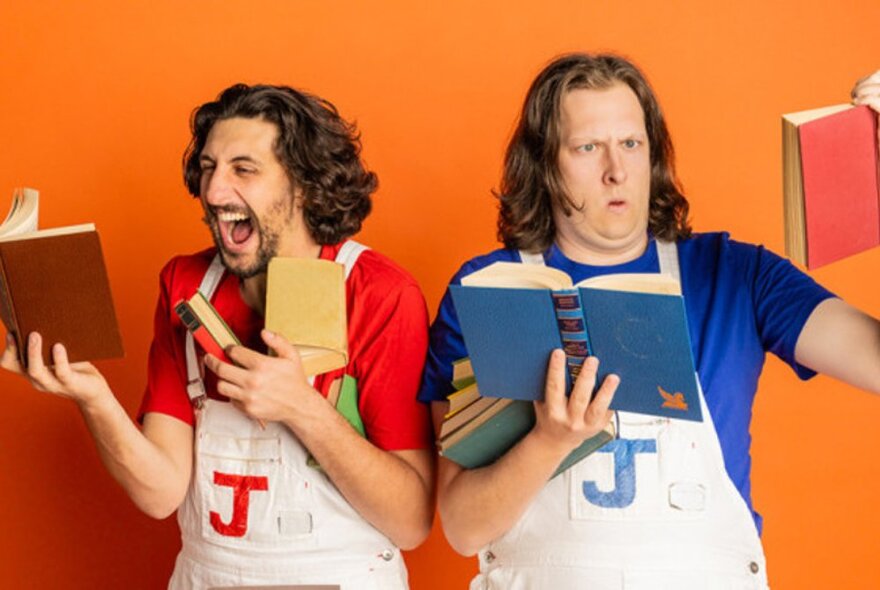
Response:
column 94, row 106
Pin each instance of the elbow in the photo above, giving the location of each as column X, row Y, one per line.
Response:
column 158, row 513
column 414, row 534
column 460, row 534
column 157, row 509
column 159, row 506
column 463, row 543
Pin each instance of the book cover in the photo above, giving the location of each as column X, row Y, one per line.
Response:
column 640, row 336
column 305, row 303
column 56, row 283
column 831, row 189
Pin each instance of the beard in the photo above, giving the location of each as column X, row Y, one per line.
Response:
column 237, row 264
column 246, row 266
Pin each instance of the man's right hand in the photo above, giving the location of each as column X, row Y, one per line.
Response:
column 567, row 422
column 81, row 382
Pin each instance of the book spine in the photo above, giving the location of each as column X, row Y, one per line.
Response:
column 7, row 314
column 199, row 332
column 221, row 323
column 572, row 330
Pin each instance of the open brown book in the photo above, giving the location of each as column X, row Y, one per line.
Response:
column 54, row 282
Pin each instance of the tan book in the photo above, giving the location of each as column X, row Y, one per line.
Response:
column 305, row 303
column 55, row 282
column 462, row 398
column 452, row 422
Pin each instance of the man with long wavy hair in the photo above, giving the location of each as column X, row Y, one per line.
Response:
column 589, row 187
column 278, row 173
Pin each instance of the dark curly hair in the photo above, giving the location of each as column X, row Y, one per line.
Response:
column 531, row 184
column 319, row 150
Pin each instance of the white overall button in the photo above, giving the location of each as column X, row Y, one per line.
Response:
column 754, row 567
column 388, row 555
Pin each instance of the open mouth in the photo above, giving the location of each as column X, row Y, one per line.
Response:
column 235, row 228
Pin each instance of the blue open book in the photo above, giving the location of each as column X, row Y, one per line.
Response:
column 513, row 315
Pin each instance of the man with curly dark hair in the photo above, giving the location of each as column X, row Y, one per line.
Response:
column 589, row 187
column 236, row 451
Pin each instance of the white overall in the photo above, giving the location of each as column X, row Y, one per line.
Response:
column 653, row 510
column 256, row 514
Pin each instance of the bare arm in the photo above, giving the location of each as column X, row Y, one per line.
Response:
column 479, row 505
column 841, row 341
column 152, row 466
column 275, row 389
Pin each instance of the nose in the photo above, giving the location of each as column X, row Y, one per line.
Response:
column 215, row 186
column 615, row 171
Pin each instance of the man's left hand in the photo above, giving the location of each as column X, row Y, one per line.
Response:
column 268, row 388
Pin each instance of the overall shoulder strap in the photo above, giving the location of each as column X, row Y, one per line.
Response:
column 536, row 258
column 195, row 387
column 667, row 256
column 348, row 255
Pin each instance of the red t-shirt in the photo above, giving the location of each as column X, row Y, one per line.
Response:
column 387, row 342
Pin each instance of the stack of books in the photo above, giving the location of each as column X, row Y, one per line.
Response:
column 477, row 430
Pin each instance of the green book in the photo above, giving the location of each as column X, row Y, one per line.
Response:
column 347, row 405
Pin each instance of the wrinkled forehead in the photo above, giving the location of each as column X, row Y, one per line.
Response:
column 613, row 109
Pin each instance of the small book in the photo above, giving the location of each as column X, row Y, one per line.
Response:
column 463, row 397
column 513, row 316
column 455, row 419
column 830, row 183
column 54, row 282
column 305, row 303
column 482, row 432
column 206, row 325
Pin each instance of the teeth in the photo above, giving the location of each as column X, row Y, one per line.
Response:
column 230, row 216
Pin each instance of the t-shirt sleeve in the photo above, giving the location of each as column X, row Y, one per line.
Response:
column 390, row 340
column 446, row 345
column 166, row 373
column 784, row 299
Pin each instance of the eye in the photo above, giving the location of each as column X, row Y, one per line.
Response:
column 631, row 143
column 244, row 170
column 587, row 147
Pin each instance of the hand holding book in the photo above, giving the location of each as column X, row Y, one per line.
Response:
column 867, row 91
column 567, row 421
column 81, row 381
column 267, row 388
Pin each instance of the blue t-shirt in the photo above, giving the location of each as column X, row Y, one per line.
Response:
column 741, row 301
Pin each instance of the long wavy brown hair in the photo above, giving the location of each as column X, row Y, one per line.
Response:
column 319, row 150
column 531, row 185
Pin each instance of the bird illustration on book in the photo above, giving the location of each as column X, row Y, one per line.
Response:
column 673, row 401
